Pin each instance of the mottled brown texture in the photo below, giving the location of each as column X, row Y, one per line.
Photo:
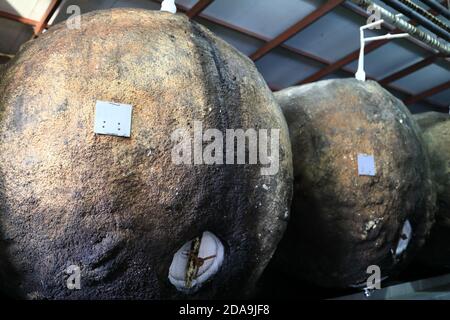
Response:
column 342, row 222
column 436, row 136
column 117, row 207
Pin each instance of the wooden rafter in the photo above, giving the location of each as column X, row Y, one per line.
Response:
column 341, row 62
column 411, row 69
column 294, row 29
column 42, row 24
column 348, row 58
column 252, row 34
column 427, row 93
column 295, row 51
column 198, row 8
column 371, row 47
column 16, row 18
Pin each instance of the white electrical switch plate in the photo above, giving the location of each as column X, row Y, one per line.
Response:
column 366, row 165
column 113, row 119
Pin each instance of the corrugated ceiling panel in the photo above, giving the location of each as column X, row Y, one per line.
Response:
column 283, row 68
column 247, row 45
column 396, row 93
column 425, row 78
column 266, row 17
column 337, row 75
column 414, row 108
column 31, row 9
column 186, row 3
column 419, row 108
column 333, row 36
column 442, row 98
column 390, row 58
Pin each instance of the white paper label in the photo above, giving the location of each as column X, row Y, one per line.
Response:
column 366, row 165
column 113, row 119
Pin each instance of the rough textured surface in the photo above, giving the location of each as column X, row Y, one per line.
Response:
column 342, row 222
column 429, row 119
column 436, row 135
column 117, row 207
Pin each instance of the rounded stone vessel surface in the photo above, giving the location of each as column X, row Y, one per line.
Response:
column 362, row 188
column 429, row 119
column 120, row 208
column 436, row 136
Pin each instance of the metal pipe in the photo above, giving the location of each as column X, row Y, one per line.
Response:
column 426, row 14
column 389, row 17
column 438, row 7
column 386, row 36
column 388, row 26
column 410, row 13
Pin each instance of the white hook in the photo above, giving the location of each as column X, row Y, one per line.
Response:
column 169, row 6
column 360, row 73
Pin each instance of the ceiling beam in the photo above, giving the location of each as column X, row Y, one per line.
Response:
column 42, row 24
column 351, row 56
column 252, row 34
column 355, row 54
column 16, row 18
column 294, row 29
column 427, row 93
column 198, row 8
column 411, row 69
column 293, row 50
column 395, row 89
column 201, row 5
column 341, row 62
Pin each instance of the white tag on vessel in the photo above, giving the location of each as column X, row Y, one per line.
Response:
column 366, row 165
column 113, row 119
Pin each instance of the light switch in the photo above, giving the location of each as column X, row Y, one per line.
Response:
column 366, row 165
column 113, row 119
